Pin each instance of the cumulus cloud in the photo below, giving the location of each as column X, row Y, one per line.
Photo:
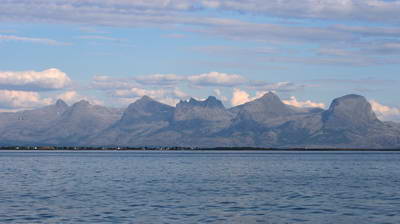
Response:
column 11, row 99
column 385, row 113
column 308, row 103
column 239, row 97
column 50, row 79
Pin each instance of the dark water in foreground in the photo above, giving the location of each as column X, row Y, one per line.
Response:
column 199, row 187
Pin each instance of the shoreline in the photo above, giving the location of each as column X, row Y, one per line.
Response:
column 53, row 148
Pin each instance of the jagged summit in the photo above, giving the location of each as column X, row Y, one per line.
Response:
column 270, row 95
column 211, row 101
column 209, row 109
column 61, row 103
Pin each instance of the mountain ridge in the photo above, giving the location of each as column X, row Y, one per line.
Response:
column 264, row 122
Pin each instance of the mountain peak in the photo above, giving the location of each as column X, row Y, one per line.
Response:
column 263, row 110
column 146, row 110
column 269, row 103
column 270, row 96
column 61, row 103
column 145, row 98
column 212, row 99
column 193, row 101
column 350, row 110
column 350, row 101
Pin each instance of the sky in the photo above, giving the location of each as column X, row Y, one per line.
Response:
column 112, row 52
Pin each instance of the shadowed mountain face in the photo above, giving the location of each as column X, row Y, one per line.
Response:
column 145, row 111
column 210, row 110
column 264, row 122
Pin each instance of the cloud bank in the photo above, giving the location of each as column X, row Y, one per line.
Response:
column 50, row 79
column 21, row 90
column 170, row 88
column 385, row 113
column 11, row 99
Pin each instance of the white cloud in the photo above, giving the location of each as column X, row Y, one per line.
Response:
column 239, row 97
column 308, row 103
column 50, row 79
column 32, row 40
column 217, row 79
column 11, row 99
column 385, row 113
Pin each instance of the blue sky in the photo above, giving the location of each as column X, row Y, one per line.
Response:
column 113, row 52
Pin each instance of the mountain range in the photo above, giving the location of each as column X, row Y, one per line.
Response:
column 349, row 122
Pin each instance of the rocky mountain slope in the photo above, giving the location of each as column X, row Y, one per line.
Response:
column 264, row 122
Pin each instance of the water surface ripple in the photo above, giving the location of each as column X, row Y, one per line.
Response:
column 199, row 187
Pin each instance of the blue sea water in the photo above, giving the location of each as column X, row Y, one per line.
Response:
column 199, row 187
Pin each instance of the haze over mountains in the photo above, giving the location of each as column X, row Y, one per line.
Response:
column 264, row 122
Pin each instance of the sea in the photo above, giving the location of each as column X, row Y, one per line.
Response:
column 199, row 187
